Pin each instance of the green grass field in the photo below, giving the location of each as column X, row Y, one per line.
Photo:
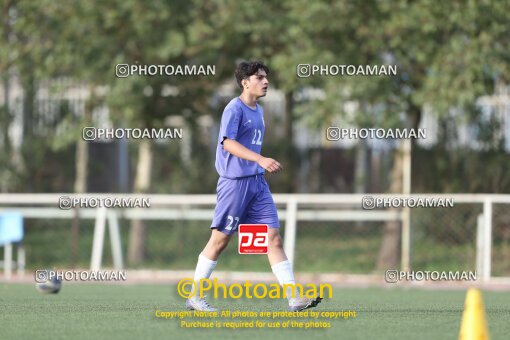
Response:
column 85, row 311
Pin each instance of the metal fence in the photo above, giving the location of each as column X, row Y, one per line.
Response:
column 322, row 233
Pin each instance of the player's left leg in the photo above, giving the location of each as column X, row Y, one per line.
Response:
column 280, row 265
column 263, row 211
column 275, row 252
column 282, row 269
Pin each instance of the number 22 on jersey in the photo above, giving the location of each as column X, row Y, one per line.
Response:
column 257, row 137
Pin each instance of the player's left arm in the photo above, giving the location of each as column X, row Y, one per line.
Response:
column 238, row 150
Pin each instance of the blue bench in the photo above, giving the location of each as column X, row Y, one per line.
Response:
column 11, row 233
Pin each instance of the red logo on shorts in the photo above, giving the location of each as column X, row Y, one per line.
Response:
column 253, row 239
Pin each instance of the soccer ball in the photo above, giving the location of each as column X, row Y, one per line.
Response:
column 47, row 283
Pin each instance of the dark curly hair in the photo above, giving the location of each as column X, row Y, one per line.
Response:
column 245, row 69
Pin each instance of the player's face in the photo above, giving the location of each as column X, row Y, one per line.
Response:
column 257, row 84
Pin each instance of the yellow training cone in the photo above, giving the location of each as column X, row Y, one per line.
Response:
column 473, row 324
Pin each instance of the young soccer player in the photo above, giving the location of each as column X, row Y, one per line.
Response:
column 243, row 195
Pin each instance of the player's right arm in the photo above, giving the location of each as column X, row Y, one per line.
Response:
column 238, row 150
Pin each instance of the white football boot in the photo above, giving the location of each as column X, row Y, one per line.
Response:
column 199, row 304
column 299, row 304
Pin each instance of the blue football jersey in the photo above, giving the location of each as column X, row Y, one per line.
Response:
column 245, row 125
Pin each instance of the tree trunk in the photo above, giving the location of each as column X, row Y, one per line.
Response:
column 21, row 155
column 82, row 160
column 137, row 235
column 361, row 168
column 80, row 183
column 5, row 143
column 314, row 176
column 290, row 152
column 389, row 253
column 80, row 186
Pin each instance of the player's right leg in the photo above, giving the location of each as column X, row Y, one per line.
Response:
column 232, row 200
column 217, row 242
column 207, row 260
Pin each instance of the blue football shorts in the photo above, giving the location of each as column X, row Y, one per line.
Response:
column 245, row 200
